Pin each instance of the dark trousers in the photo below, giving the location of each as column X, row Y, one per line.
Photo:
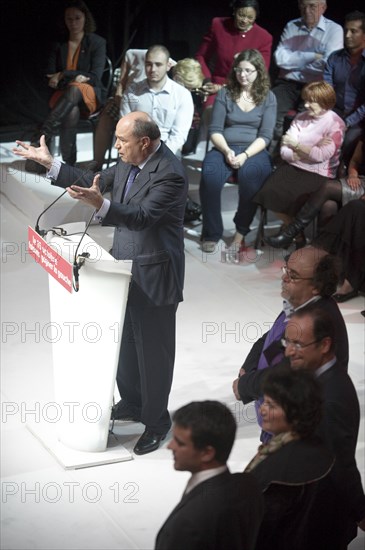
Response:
column 146, row 361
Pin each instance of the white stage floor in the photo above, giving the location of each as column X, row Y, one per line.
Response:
column 122, row 505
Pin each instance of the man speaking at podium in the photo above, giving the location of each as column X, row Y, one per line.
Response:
column 149, row 190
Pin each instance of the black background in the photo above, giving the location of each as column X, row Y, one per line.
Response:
column 28, row 28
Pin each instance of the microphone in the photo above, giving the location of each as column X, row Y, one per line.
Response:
column 89, row 168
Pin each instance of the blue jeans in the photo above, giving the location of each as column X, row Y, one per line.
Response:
column 250, row 178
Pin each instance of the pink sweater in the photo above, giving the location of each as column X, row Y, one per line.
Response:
column 323, row 159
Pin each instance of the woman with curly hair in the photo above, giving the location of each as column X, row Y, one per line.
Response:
column 293, row 468
column 243, row 120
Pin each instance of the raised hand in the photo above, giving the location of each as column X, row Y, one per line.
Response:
column 89, row 195
column 39, row 154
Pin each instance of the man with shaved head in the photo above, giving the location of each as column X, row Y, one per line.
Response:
column 149, row 190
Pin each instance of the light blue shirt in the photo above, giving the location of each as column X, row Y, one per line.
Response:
column 296, row 52
column 171, row 108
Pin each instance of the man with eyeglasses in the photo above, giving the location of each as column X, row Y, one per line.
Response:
column 310, row 344
column 309, row 276
column 301, row 55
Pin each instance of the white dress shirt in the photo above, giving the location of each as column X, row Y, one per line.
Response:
column 171, row 108
column 296, row 52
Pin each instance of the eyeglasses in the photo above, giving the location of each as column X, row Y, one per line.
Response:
column 248, row 72
column 297, row 345
column 292, row 276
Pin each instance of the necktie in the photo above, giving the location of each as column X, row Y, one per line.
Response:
column 131, row 177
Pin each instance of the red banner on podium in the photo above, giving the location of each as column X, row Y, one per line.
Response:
column 49, row 259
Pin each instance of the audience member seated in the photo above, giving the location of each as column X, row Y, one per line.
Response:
column 132, row 69
column 309, row 276
column 310, row 150
column 342, row 191
column 74, row 71
column 301, row 56
column 345, row 237
column 227, row 37
column 345, row 71
column 293, row 468
column 188, row 73
column 218, row 510
column 241, row 129
column 168, row 103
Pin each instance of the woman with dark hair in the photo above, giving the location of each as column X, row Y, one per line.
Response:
column 74, row 71
column 311, row 151
column 293, row 468
column 242, row 126
column 227, row 37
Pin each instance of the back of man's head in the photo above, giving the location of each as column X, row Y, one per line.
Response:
column 211, row 424
column 324, row 266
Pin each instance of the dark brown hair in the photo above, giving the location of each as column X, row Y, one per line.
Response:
column 261, row 85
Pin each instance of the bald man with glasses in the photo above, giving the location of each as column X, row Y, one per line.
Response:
column 310, row 276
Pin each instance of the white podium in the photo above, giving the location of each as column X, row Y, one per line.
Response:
column 86, row 328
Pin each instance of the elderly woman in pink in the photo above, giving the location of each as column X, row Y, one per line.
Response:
column 310, row 150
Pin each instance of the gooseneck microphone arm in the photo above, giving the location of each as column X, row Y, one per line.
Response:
column 43, row 232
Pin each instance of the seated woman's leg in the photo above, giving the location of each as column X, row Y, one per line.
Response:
column 328, row 210
column 103, row 137
column 343, row 236
column 71, row 98
column 251, row 177
column 330, row 190
column 214, row 174
column 68, row 132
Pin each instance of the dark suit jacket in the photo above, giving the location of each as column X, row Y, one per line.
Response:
column 91, row 62
column 300, row 498
column 222, row 513
column 148, row 223
column 339, row 430
column 249, row 385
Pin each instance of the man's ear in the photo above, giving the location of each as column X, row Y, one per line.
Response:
column 326, row 343
column 146, row 142
column 208, row 454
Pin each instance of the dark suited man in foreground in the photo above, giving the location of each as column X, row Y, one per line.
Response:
column 219, row 510
column 310, row 344
column 149, row 190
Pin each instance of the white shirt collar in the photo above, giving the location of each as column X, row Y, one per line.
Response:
column 325, row 367
column 199, row 477
column 289, row 309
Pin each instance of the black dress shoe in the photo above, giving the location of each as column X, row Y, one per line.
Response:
column 126, row 412
column 344, row 297
column 148, row 442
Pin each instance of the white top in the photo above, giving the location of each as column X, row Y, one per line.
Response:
column 171, row 108
column 295, row 54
